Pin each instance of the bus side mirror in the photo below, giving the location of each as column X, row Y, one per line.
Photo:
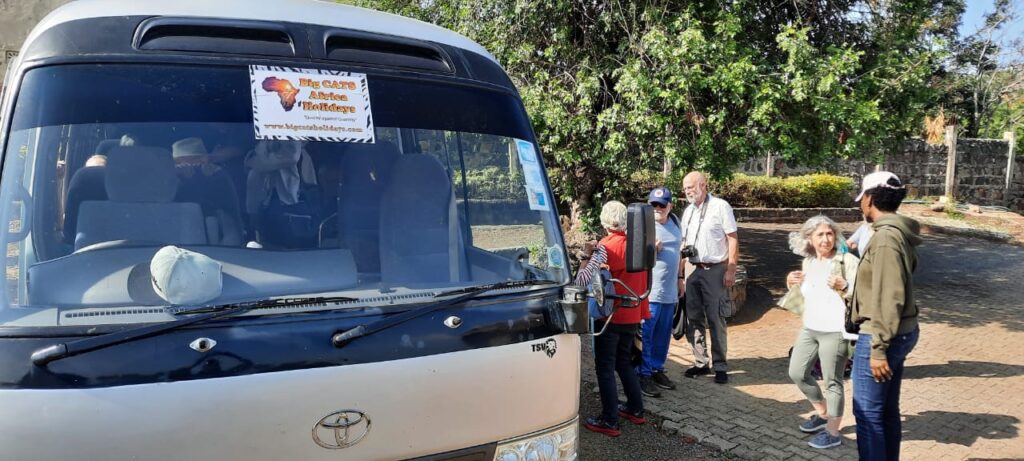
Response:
column 640, row 251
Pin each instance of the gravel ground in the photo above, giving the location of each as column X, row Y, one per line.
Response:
column 522, row 235
column 644, row 442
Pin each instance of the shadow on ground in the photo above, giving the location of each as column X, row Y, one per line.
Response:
column 977, row 275
column 976, row 291
column 961, row 428
column 645, row 442
column 963, row 369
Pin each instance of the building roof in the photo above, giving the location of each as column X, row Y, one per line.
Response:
column 298, row 11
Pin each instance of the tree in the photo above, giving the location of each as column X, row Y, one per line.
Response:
column 984, row 83
column 614, row 87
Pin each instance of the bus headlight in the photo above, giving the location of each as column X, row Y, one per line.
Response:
column 557, row 444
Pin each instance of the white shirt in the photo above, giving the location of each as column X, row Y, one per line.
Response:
column 710, row 239
column 824, row 310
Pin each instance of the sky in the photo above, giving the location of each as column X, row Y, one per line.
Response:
column 974, row 18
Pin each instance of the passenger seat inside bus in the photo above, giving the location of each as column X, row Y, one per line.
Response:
column 420, row 242
column 86, row 184
column 141, row 185
column 365, row 172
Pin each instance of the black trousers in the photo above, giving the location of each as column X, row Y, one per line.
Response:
column 704, row 291
column 611, row 356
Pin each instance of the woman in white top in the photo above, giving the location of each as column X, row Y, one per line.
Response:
column 826, row 277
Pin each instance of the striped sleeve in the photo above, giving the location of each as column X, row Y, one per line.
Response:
column 597, row 259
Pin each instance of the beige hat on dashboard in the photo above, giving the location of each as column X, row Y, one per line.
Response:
column 183, row 277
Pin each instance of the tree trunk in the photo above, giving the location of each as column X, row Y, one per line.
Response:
column 587, row 184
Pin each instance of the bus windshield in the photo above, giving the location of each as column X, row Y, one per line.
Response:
column 105, row 164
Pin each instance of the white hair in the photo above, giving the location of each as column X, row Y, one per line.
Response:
column 613, row 215
column 800, row 241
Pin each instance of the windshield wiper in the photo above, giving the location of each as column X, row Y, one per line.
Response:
column 494, row 286
column 43, row 356
column 342, row 338
column 270, row 303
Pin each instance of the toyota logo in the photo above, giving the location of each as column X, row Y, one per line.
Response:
column 341, row 429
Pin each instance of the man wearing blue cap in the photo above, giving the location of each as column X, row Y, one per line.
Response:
column 657, row 331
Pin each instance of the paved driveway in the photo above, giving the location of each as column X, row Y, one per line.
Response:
column 963, row 390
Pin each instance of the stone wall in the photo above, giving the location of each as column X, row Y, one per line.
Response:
column 921, row 166
column 795, row 215
column 980, row 171
column 17, row 18
column 1015, row 198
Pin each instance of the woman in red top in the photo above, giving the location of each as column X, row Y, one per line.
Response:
column 612, row 348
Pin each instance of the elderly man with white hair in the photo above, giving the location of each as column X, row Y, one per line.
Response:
column 612, row 348
column 711, row 245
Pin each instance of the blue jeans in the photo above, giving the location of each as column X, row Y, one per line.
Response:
column 611, row 354
column 877, row 405
column 657, row 332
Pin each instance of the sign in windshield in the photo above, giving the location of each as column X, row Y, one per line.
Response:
column 310, row 104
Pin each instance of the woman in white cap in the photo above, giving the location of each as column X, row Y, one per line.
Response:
column 885, row 314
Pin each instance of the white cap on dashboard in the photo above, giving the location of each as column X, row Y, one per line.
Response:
column 183, row 277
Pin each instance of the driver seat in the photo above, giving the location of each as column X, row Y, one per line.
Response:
column 420, row 241
column 141, row 185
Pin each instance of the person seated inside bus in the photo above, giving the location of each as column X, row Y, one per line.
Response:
column 203, row 182
column 87, row 183
column 230, row 145
column 282, row 197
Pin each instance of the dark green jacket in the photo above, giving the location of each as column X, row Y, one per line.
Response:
column 883, row 297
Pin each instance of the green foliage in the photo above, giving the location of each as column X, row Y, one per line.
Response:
column 981, row 85
column 491, row 183
column 820, row 190
column 810, row 191
column 616, row 87
column 751, row 191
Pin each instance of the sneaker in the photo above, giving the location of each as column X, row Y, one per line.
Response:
column 694, row 372
column 599, row 425
column 721, row 377
column 825, row 440
column 633, row 417
column 813, row 424
column 662, row 381
column 648, row 388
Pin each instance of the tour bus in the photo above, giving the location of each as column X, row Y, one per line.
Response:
column 279, row 230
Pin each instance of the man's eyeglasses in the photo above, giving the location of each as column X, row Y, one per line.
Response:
column 658, row 205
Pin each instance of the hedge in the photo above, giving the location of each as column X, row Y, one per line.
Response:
column 809, row 191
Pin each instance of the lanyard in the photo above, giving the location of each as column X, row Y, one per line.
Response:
column 703, row 211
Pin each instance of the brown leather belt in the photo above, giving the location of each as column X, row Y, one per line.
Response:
column 707, row 266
